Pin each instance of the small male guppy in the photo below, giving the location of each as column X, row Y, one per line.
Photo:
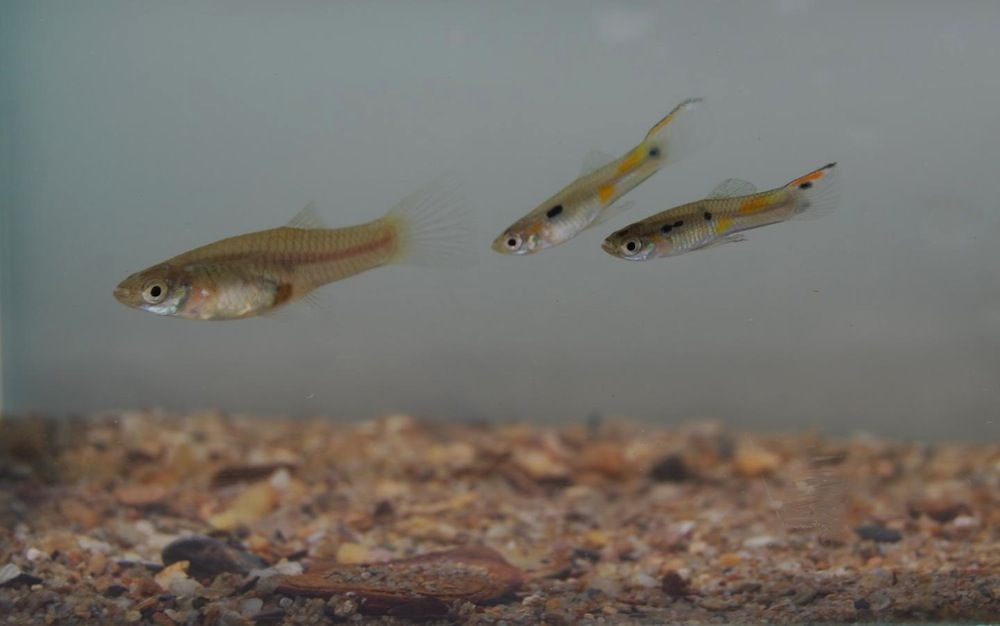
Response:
column 733, row 206
column 588, row 200
column 258, row 272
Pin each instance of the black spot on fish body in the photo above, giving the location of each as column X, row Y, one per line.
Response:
column 654, row 151
column 678, row 223
column 806, row 185
column 666, row 228
column 708, row 216
column 554, row 211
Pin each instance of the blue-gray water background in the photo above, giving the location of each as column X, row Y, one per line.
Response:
column 134, row 130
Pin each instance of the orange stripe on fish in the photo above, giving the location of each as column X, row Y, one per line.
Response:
column 723, row 224
column 632, row 160
column 606, row 192
column 811, row 176
column 754, row 204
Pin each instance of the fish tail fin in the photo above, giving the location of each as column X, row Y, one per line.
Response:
column 433, row 226
column 682, row 132
column 817, row 193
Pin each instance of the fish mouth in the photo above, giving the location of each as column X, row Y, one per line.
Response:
column 122, row 294
column 608, row 246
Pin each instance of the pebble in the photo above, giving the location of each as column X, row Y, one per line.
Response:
column 209, row 557
column 253, row 503
column 670, row 468
column 174, row 579
column 642, row 579
column 140, row 495
column 11, row 575
column 251, row 606
column 717, row 604
column 34, row 554
column 938, row 509
column 753, row 461
column 352, row 554
column 878, row 533
column 761, row 541
column 604, row 458
column 540, row 465
column 674, row 585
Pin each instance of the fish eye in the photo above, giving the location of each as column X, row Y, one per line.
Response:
column 154, row 291
column 631, row 246
column 513, row 241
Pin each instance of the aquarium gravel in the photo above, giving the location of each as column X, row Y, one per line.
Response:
column 208, row 518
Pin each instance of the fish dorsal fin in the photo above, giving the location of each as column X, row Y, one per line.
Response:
column 595, row 160
column 612, row 211
column 732, row 188
column 307, row 218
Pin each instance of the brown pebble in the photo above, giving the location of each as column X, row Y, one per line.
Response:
column 670, row 468
column 674, row 585
column 140, row 495
column 607, row 459
column 717, row 604
column 232, row 474
column 938, row 509
column 209, row 557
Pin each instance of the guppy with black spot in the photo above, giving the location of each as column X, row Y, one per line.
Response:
column 734, row 206
column 588, row 200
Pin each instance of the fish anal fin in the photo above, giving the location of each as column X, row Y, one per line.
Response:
column 612, row 211
column 721, row 241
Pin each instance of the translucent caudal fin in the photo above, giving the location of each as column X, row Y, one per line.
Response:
column 682, row 132
column 434, row 226
column 817, row 193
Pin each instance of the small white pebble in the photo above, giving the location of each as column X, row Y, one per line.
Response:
column 93, row 545
column 535, row 599
column 966, row 521
column 251, row 606
column 184, row 587
column 34, row 554
column 231, row 618
column 288, row 568
column 642, row 579
column 761, row 541
column 281, row 480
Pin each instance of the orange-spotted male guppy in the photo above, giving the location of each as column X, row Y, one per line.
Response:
column 734, row 206
column 588, row 200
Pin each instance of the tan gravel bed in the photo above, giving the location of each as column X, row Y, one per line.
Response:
column 141, row 517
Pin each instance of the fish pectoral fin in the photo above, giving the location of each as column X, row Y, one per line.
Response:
column 732, row 188
column 307, row 218
column 612, row 211
column 721, row 241
column 595, row 160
